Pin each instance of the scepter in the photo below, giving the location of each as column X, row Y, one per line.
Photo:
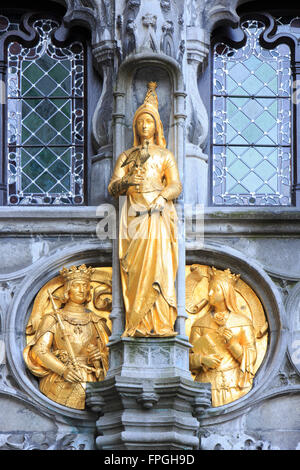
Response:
column 65, row 335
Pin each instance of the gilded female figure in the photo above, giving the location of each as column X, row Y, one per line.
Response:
column 69, row 345
column 224, row 344
column 147, row 174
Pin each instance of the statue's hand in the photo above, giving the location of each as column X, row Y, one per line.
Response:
column 227, row 334
column 94, row 353
column 135, row 178
column 232, row 343
column 158, row 204
column 212, row 361
column 72, row 375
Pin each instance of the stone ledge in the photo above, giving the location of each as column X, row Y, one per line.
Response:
column 82, row 220
column 261, row 222
column 90, row 211
column 255, row 213
column 10, row 212
column 49, row 220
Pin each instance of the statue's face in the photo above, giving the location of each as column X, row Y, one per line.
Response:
column 79, row 291
column 145, row 126
column 215, row 293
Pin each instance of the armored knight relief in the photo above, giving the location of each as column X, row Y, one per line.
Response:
column 67, row 333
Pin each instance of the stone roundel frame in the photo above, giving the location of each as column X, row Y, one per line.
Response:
column 294, row 326
column 254, row 275
column 35, row 277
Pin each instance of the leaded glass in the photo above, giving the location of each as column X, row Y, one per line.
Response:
column 45, row 121
column 252, row 91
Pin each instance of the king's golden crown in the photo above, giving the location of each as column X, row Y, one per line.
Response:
column 81, row 273
column 225, row 275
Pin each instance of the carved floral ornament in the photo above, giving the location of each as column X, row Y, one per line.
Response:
column 238, row 356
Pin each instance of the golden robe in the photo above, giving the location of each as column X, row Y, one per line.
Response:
column 233, row 377
column 46, row 355
column 148, row 248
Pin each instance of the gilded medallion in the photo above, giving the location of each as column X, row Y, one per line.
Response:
column 67, row 333
column 228, row 330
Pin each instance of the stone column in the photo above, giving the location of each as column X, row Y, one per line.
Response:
column 102, row 132
column 117, row 315
column 179, row 151
column 197, row 123
column 3, row 185
column 296, row 185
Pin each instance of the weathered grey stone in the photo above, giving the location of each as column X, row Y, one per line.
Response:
column 156, row 357
column 148, row 399
column 139, row 413
column 46, row 440
column 282, row 439
column 234, row 441
column 101, row 175
column 16, row 416
column 265, row 251
column 282, row 413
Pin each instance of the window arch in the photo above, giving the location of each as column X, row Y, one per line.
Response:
column 253, row 133
column 45, row 112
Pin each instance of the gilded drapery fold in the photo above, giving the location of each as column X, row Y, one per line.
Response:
column 148, row 244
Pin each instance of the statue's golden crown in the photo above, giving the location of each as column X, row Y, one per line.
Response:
column 81, row 273
column 225, row 275
column 151, row 96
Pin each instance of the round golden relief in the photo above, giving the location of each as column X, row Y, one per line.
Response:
column 228, row 330
column 67, row 333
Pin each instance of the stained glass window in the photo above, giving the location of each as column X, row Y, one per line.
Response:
column 45, row 121
column 252, row 89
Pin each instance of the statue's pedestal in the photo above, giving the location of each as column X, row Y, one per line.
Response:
column 148, row 399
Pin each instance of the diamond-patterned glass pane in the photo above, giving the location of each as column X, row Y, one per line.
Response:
column 252, row 122
column 251, row 173
column 45, row 121
column 45, row 168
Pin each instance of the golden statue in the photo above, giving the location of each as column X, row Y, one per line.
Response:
column 229, row 336
column 147, row 174
column 66, row 345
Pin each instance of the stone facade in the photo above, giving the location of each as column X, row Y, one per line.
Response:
column 167, row 41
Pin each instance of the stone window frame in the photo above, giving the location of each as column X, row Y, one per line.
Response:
column 234, row 37
column 65, row 35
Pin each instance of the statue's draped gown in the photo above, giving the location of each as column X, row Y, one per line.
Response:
column 148, row 244
column 233, row 377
